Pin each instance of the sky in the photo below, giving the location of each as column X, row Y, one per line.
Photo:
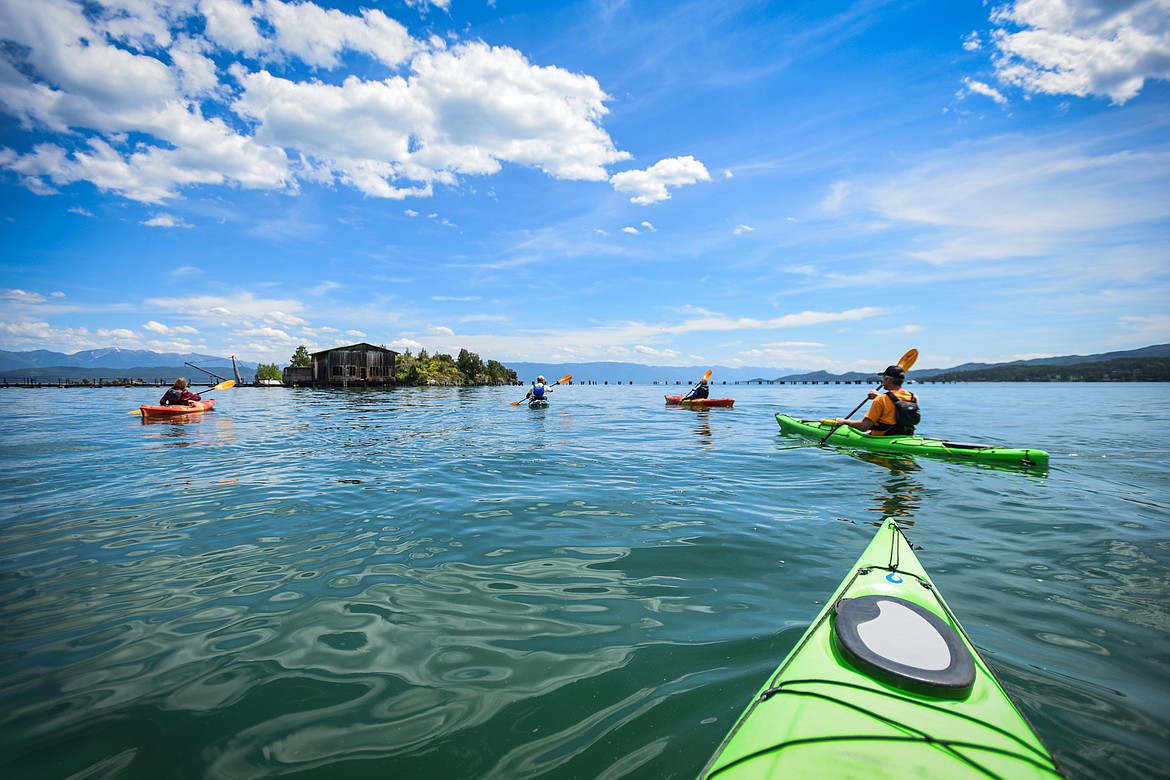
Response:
column 798, row 185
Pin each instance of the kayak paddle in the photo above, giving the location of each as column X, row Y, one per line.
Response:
column 905, row 362
column 561, row 381
column 220, row 386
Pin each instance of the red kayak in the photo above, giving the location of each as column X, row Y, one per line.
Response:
column 195, row 407
column 677, row 399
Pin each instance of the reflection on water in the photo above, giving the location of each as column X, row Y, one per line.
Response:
column 900, row 495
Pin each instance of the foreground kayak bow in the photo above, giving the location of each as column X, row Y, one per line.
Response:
column 884, row 683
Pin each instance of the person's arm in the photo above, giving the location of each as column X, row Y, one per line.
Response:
column 865, row 424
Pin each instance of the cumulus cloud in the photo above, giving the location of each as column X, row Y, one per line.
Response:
column 1082, row 47
column 650, row 186
column 144, row 99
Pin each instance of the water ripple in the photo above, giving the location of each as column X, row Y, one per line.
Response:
column 334, row 584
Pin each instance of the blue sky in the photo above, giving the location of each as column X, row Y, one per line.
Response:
column 802, row 185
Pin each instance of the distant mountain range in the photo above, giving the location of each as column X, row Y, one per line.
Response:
column 641, row 374
column 114, row 363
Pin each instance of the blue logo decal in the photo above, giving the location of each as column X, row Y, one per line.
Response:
column 894, row 578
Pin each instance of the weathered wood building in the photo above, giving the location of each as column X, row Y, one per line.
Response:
column 357, row 365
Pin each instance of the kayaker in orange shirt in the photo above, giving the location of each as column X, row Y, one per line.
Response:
column 882, row 417
column 179, row 394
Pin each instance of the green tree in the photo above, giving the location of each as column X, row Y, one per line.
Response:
column 471, row 366
column 499, row 374
column 406, row 368
column 268, row 371
column 301, row 358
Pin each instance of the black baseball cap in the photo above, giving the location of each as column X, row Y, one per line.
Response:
column 894, row 372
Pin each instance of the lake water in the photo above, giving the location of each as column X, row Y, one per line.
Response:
column 433, row 583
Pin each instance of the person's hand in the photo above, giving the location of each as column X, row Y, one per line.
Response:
column 872, row 394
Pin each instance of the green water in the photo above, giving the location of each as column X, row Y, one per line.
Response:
column 433, row 583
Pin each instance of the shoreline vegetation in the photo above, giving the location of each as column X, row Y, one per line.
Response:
column 469, row 369
column 423, row 369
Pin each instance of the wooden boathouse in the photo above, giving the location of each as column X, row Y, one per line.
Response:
column 357, row 365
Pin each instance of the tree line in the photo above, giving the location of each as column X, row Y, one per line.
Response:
column 1153, row 369
column 424, row 368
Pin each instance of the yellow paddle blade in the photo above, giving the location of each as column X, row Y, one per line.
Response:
column 909, row 359
column 706, row 375
column 565, row 378
column 136, row 411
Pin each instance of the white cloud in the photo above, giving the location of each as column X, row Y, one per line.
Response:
column 230, row 25
column 981, row 88
column 1014, row 199
column 243, row 306
column 402, row 345
column 283, row 320
column 159, row 115
column 166, row 220
column 1152, row 329
column 650, row 186
column 741, row 229
column 166, row 330
column 21, row 296
column 652, row 352
column 1082, row 47
column 714, row 322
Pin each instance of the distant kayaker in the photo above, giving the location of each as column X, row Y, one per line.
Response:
column 698, row 391
column 883, row 419
column 539, row 390
column 179, row 394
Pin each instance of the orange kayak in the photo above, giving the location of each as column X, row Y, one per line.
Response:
column 195, row 407
column 677, row 399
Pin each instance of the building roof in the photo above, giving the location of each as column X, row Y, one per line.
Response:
column 362, row 346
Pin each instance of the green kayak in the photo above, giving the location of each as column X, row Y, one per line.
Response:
column 883, row 684
column 915, row 445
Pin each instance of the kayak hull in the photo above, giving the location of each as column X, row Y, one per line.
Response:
column 538, row 404
column 823, row 714
column 677, row 400
column 195, row 407
column 845, row 436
